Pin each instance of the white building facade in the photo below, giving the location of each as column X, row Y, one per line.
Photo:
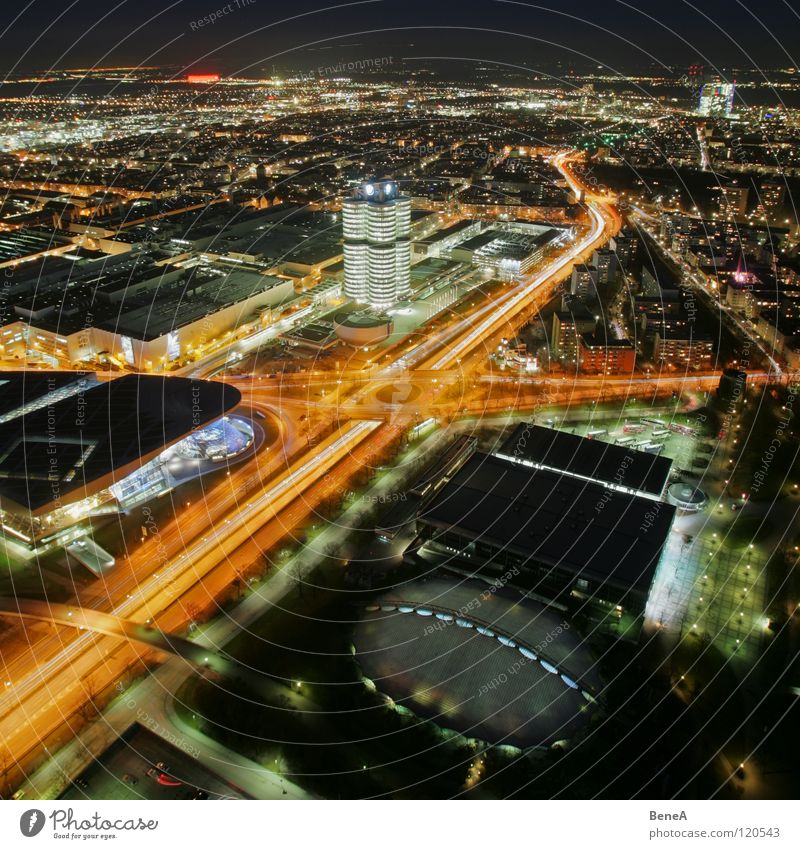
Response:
column 377, row 245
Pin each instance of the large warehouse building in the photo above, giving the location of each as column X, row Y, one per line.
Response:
column 583, row 529
column 618, row 468
column 139, row 311
column 73, row 448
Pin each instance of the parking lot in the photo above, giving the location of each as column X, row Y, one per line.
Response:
column 140, row 765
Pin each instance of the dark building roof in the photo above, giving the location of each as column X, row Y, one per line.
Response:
column 576, row 526
column 440, row 675
column 165, row 308
column 605, row 342
column 18, row 388
column 479, row 241
column 587, row 458
column 683, row 334
column 77, row 445
column 449, row 231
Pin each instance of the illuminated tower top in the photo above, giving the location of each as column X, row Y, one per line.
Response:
column 381, row 191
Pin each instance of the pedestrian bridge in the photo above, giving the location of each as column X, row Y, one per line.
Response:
column 85, row 619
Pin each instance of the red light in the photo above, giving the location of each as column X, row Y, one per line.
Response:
column 202, row 78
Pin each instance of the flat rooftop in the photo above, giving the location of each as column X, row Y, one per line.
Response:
column 500, row 243
column 315, row 333
column 16, row 244
column 161, row 310
column 479, row 241
column 587, row 458
column 687, row 334
column 449, row 231
column 605, row 342
column 554, row 519
column 67, row 449
column 20, row 390
column 286, row 243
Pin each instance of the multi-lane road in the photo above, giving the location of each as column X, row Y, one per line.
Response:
column 37, row 695
column 45, row 682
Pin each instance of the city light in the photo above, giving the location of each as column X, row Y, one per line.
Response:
column 390, row 426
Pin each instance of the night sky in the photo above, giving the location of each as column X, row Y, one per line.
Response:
column 303, row 34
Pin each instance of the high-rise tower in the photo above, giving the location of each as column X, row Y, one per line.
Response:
column 716, row 99
column 377, row 247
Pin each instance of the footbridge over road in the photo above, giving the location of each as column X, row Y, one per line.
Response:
column 95, row 621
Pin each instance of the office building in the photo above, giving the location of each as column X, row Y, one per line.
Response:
column 600, row 354
column 496, row 514
column 716, row 99
column 377, row 247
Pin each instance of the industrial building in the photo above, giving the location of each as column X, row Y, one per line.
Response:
column 143, row 315
column 580, row 533
column 441, row 242
column 507, row 252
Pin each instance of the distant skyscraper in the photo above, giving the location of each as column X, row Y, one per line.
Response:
column 377, row 246
column 716, row 99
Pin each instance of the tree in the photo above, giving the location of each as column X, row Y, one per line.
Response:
column 90, row 709
column 5, row 767
column 192, row 612
column 299, row 576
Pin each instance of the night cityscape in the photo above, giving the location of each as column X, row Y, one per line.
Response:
column 399, row 401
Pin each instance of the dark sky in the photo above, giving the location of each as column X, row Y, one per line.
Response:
column 258, row 34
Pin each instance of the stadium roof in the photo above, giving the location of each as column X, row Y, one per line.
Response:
column 77, row 445
column 591, row 459
column 440, row 670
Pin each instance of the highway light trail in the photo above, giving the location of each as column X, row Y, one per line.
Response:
column 508, row 308
column 273, row 499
